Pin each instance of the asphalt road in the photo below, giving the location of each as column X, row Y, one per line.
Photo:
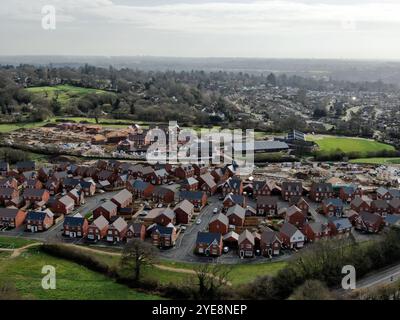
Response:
column 384, row 276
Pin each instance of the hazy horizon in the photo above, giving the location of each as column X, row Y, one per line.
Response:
column 271, row 29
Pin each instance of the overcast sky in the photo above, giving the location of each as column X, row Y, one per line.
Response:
column 355, row 29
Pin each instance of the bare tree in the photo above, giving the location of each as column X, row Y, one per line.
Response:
column 211, row 279
column 137, row 254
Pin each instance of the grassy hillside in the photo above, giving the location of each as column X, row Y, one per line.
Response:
column 376, row 161
column 74, row 282
column 64, row 93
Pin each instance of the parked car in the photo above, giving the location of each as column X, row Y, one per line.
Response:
column 226, row 249
column 198, row 221
column 215, row 210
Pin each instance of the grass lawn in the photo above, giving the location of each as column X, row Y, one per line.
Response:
column 241, row 273
column 64, row 93
column 74, row 282
column 15, row 126
column 376, row 161
column 347, row 145
column 13, row 243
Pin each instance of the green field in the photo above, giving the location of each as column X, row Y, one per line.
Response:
column 348, row 145
column 64, row 93
column 376, row 161
column 13, row 243
column 74, row 282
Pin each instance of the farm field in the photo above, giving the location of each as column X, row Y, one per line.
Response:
column 74, row 282
column 376, row 161
column 348, row 145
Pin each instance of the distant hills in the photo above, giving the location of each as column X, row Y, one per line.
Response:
column 349, row 70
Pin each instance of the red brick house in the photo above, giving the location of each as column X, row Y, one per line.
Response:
column 246, row 244
column 117, row 230
column 340, row 228
column 383, row 193
column 136, row 231
column 231, row 240
column 321, row 191
column 140, row 189
column 207, row 183
column 361, row 204
column 123, row 199
column 291, row 189
column 11, row 217
column 394, row 206
column 266, row 206
column 36, row 195
column 37, row 221
column 262, row 188
column 380, row 207
column 98, row 229
column 108, row 210
column 7, row 194
column 270, row 243
column 209, row 244
column 295, row 217
column 164, row 236
column 332, row 207
column 33, row 184
column 199, row 169
column 291, row 236
column 316, row 230
column 184, row 211
column 77, row 195
column 163, row 194
column 197, row 198
column 300, row 203
column 348, row 193
column 184, row 172
column 236, row 215
column 369, row 222
column 64, row 205
column 233, row 199
column 191, row 184
column 53, row 186
column 75, row 227
column 232, row 185
column 219, row 224
column 165, row 217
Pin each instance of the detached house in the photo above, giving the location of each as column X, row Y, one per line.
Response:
column 4, row 168
column 348, row 193
column 266, row 206
column 246, row 244
column 236, row 215
column 234, row 199
column 321, row 191
column 98, row 229
column 361, row 204
column 117, row 230
column 165, row 217
column 232, row 185
column 207, row 183
column 75, row 227
column 295, row 216
column 11, row 217
column 184, row 172
column 164, row 236
column 332, row 207
column 209, row 244
column 36, row 195
column 140, row 189
column 108, row 210
column 316, row 230
column 394, row 206
column 23, row 166
column 380, row 207
column 184, row 211
column 369, row 222
column 197, row 198
column 7, row 194
column 37, row 221
column 123, row 199
column 219, row 224
column 65, row 205
column 270, row 243
column 136, row 231
column 291, row 236
column 163, row 194
column 340, row 228
column 383, row 193
column 262, row 188
column 191, row 184
column 300, row 203
column 291, row 189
